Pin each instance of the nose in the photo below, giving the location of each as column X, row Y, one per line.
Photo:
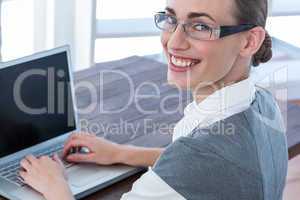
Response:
column 178, row 39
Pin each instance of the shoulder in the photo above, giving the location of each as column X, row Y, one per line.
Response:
column 197, row 172
column 231, row 138
column 264, row 105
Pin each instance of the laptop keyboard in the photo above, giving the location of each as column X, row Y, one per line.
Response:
column 10, row 171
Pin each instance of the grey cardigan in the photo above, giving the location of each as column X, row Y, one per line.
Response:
column 243, row 157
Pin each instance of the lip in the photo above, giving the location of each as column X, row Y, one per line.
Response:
column 182, row 57
column 178, row 69
column 174, row 68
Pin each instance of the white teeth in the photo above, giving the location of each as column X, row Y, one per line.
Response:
column 181, row 63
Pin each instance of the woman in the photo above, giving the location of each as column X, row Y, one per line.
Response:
column 230, row 144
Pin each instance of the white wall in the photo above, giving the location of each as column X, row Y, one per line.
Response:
column 285, row 7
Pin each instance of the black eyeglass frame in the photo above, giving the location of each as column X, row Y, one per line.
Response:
column 221, row 31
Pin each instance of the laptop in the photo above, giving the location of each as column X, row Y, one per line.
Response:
column 37, row 115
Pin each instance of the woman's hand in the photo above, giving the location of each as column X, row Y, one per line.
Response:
column 102, row 152
column 47, row 176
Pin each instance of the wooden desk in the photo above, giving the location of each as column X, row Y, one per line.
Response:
column 115, row 191
column 297, row 102
column 291, row 191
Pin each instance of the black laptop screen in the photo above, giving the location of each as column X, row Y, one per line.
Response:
column 35, row 102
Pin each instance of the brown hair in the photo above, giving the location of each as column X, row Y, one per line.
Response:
column 256, row 12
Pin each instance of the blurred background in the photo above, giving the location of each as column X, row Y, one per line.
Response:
column 103, row 30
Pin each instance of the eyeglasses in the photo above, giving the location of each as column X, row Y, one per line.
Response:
column 198, row 30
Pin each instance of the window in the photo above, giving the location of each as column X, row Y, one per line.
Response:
column 124, row 30
column 30, row 26
column 17, row 28
column 285, row 28
column 115, row 48
column 102, row 30
column 128, row 9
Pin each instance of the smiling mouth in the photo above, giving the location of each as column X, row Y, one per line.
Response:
column 180, row 64
column 183, row 63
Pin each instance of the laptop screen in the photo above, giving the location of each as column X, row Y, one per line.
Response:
column 35, row 102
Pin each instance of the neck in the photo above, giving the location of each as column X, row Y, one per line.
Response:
column 200, row 94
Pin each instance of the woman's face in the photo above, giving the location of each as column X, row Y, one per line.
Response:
column 211, row 61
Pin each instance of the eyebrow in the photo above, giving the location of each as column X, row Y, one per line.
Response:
column 192, row 14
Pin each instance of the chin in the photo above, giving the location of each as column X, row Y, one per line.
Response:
column 179, row 82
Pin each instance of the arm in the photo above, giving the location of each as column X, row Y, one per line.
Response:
column 138, row 156
column 104, row 152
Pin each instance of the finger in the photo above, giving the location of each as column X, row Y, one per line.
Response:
column 44, row 157
column 25, row 164
column 23, row 175
column 80, row 158
column 71, row 137
column 57, row 159
column 66, row 147
column 31, row 159
column 20, row 177
column 74, row 136
column 75, row 143
column 43, row 160
column 79, row 135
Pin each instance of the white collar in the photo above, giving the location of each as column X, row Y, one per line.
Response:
column 221, row 104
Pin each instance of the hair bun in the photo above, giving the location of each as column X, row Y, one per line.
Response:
column 264, row 54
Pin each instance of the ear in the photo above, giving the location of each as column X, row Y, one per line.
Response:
column 253, row 39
